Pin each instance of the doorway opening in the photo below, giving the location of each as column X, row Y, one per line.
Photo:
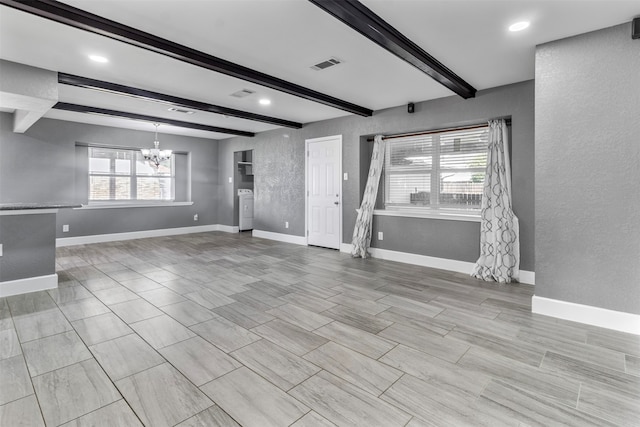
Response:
column 243, row 190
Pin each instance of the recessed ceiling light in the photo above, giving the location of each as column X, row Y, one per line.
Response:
column 519, row 26
column 265, row 101
column 98, row 58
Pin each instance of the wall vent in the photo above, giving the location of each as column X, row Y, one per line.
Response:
column 242, row 93
column 325, row 64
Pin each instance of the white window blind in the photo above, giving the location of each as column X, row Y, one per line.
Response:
column 123, row 175
column 437, row 170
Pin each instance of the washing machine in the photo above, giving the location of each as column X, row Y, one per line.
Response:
column 245, row 209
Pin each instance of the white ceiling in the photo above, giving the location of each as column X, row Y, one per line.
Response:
column 284, row 38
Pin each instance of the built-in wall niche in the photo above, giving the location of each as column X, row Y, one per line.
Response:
column 245, row 163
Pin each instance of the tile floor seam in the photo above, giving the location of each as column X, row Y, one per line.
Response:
column 221, row 376
column 47, row 336
column 24, row 360
column 301, row 417
column 103, row 371
column 392, row 384
column 387, row 352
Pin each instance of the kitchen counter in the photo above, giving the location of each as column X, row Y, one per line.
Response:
column 31, row 206
column 28, row 247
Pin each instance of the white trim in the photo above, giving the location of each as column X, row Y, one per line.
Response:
column 133, row 205
column 337, row 138
column 288, row 238
column 596, row 316
column 228, row 228
column 423, row 260
column 346, row 247
column 526, row 277
column 433, row 214
column 101, row 238
column 29, row 284
column 10, row 212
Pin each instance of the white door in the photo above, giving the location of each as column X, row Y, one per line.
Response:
column 324, row 169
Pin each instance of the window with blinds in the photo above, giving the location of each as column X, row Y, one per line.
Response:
column 123, row 175
column 436, row 171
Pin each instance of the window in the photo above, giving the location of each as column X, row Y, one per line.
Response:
column 443, row 170
column 122, row 175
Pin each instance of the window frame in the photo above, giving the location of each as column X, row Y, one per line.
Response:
column 434, row 209
column 133, row 181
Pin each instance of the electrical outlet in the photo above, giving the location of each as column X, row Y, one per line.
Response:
column 195, row 217
column 380, row 235
column 230, row 180
column 346, row 176
column 0, row 249
column 65, row 228
column 286, row 224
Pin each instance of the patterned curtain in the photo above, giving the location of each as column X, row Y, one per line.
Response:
column 499, row 232
column 362, row 230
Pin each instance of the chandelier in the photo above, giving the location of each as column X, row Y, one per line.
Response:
column 155, row 156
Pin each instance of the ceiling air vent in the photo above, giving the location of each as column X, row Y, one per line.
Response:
column 242, row 93
column 180, row 110
column 325, row 64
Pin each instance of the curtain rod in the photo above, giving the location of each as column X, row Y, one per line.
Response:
column 429, row 132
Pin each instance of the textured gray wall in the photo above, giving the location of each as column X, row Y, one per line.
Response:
column 28, row 246
column 279, row 172
column 41, row 166
column 587, row 170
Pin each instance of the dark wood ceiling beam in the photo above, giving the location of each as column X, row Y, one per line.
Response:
column 366, row 22
column 152, row 119
column 87, row 83
column 78, row 18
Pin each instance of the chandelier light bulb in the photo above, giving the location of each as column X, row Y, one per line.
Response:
column 154, row 155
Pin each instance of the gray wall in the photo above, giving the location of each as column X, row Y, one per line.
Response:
column 587, row 170
column 41, row 166
column 279, row 172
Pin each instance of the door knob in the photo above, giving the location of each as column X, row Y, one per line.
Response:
column 335, row 203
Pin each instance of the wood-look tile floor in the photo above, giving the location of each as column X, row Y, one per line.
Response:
column 219, row 329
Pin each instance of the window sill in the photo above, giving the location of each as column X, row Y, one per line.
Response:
column 133, row 205
column 446, row 215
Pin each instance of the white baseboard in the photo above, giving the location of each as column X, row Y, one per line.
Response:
column 228, row 228
column 30, row 284
column 114, row 237
column 287, row 238
column 527, row 277
column 346, row 247
column 596, row 316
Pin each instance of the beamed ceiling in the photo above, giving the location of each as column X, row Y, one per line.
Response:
column 194, row 54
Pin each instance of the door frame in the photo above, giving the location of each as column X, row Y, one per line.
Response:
column 337, row 138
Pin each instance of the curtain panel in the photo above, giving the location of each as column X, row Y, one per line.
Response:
column 499, row 259
column 362, row 231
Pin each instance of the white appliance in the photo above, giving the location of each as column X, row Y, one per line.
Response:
column 245, row 209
